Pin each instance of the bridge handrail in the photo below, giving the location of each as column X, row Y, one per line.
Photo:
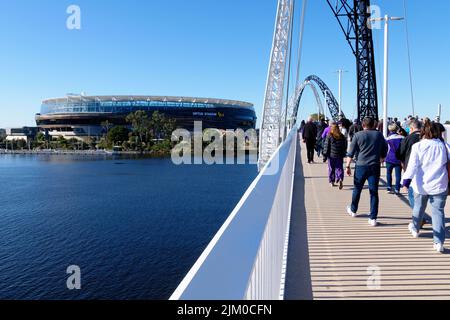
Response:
column 246, row 258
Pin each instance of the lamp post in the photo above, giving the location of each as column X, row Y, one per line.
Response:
column 386, row 20
column 340, row 73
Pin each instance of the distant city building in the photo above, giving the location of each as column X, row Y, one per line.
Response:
column 82, row 116
column 2, row 133
column 24, row 133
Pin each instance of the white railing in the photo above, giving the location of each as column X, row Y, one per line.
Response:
column 246, row 259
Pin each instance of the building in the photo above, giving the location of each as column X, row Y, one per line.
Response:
column 82, row 116
column 25, row 133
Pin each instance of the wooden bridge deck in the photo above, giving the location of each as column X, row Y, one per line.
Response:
column 332, row 255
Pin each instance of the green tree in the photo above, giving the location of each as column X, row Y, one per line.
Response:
column 106, row 125
column 161, row 126
column 92, row 142
column 118, row 135
column 141, row 124
column 62, row 143
column 317, row 117
column 20, row 144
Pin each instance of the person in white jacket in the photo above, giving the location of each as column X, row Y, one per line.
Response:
column 427, row 175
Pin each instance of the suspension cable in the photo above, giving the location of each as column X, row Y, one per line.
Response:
column 300, row 41
column 284, row 133
column 409, row 59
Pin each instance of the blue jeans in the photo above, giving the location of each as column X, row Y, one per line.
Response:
column 438, row 215
column 372, row 175
column 411, row 197
column 426, row 217
column 398, row 175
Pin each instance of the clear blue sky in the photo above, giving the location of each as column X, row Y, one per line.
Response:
column 208, row 48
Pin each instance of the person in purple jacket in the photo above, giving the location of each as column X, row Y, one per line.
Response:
column 394, row 141
column 327, row 130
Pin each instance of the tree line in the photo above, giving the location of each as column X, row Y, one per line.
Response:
column 147, row 134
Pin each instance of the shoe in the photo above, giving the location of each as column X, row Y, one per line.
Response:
column 439, row 247
column 341, row 185
column 397, row 192
column 413, row 231
column 350, row 212
column 332, row 185
column 389, row 191
column 373, row 222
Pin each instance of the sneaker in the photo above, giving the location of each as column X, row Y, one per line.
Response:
column 413, row 231
column 389, row 191
column 332, row 185
column 373, row 222
column 350, row 212
column 439, row 247
column 341, row 185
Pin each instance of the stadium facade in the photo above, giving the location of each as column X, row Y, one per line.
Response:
column 82, row 116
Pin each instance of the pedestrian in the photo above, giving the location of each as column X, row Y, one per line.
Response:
column 335, row 150
column 394, row 141
column 379, row 126
column 327, row 130
column 320, row 141
column 372, row 150
column 354, row 128
column 427, row 174
column 442, row 130
column 404, row 153
column 309, row 136
column 302, row 126
column 402, row 132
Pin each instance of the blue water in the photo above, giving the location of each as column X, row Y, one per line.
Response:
column 135, row 227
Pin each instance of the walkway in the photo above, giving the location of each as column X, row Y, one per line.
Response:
column 332, row 255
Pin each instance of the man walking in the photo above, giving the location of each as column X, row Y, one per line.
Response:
column 372, row 149
column 404, row 152
column 309, row 137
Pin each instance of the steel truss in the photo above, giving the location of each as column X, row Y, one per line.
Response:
column 353, row 17
column 332, row 104
column 272, row 113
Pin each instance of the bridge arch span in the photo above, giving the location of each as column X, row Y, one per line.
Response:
column 316, row 84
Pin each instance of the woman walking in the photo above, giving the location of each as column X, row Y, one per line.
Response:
column 427, row 174
column 394, row 141
column 335, row 150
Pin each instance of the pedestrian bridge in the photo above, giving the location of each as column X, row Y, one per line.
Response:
column 291, row 238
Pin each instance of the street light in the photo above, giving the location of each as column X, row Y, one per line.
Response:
column 340, row 73
column 386, row 20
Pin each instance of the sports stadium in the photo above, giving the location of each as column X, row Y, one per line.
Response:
column 83, row 116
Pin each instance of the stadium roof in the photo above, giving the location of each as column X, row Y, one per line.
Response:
column 149, row 98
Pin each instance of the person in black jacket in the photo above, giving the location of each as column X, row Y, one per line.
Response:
column 335, row 149
column 403, row 153
column 309, row 136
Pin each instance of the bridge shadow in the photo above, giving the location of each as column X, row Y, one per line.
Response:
column 298, row 274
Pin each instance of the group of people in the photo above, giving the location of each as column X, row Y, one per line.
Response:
column 415, row 149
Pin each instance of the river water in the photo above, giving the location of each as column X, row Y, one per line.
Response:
column 133, row 226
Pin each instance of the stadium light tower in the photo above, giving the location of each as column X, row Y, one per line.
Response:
column 386, row 20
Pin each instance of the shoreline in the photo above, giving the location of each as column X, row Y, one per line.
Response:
column 73, row 152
